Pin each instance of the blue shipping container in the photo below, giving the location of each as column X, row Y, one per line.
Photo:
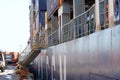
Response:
column 43, row 5
column 42, row 18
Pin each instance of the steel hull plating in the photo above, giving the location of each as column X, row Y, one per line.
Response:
column 93, row 57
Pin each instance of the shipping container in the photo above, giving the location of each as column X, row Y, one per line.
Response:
column 43, row 5
column 42, row 18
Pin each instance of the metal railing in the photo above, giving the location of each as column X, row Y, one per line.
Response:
column 82, row 25
column 67, row 31
column 25, row 52
column 53, row 38
column 85, row 23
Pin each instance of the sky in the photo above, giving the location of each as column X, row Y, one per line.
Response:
column 14, row 25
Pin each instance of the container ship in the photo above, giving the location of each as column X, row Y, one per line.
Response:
column 74, row 40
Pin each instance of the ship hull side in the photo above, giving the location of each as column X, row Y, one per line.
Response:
column 93, row 57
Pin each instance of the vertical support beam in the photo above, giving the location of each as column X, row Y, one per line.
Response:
column 60, row 24
column 97, row 14
column 111, row 13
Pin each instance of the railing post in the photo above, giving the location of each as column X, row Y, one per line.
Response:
column 97, row 13
column 111, row 12
column 74, row 29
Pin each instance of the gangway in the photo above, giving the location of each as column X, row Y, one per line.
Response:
column 30, row 53
column 30, row 57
